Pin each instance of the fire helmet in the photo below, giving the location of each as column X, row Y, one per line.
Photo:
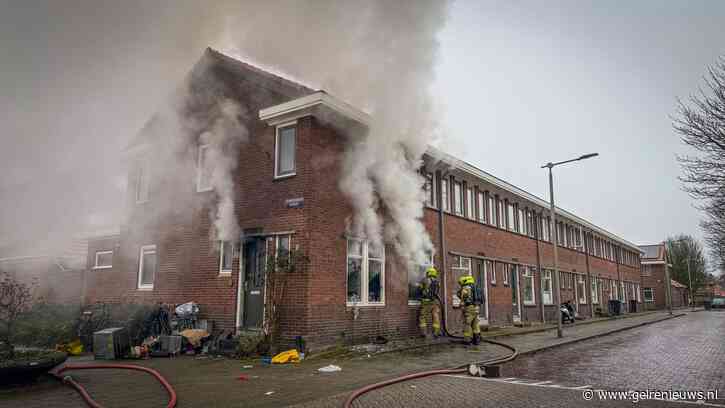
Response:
column 466, row 280
column 431, row 272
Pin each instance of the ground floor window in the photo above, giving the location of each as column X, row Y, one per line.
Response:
column 546, row 287
column 226, row 252
column 462, row 265
column 528, row 285
column 595, row 291
column 622, row 292
column 416, row 273
column 506, row 273
column 147, row 267
column 581, row 289
column 639, row 297
column 614, row 295
column 104, row 260
column 365, row 273
column 490, row 268
column 649, row 295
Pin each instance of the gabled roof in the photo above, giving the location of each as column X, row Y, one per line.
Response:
column 676, row 284
column 653, row 252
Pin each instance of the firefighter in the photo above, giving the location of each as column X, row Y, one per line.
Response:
column 429, row 302
column 470, row 296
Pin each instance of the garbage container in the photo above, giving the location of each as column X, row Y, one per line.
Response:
column 632, row 306
column 707, row 303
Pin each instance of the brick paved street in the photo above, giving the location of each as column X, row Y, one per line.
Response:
column 683, row 353
column 214, row 383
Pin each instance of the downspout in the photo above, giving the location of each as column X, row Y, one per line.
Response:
column 589, row 278
column 442, row 243
column 541, row 272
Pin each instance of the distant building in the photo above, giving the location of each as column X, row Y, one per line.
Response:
column 654, row 262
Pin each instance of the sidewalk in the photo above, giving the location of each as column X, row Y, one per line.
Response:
column 216, row 383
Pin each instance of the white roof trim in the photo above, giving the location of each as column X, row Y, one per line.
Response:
column 319, row 98
column 653, row 262
column 476, row 172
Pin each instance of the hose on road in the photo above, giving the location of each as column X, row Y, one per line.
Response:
column 457, row 370
column 67, row 379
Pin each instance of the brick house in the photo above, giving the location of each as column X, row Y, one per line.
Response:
column 287, row 196
column 654, row 262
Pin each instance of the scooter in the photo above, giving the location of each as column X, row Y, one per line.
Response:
column 567, row 312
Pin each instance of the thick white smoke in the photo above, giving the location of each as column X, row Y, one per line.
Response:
column 379, row 56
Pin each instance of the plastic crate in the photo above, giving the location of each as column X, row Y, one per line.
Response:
column 110, row 344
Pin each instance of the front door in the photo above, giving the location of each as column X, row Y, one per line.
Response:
column 515, row 301
column 482, row 282
column 254, row 256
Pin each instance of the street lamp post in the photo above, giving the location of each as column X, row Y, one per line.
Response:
column 555, row 236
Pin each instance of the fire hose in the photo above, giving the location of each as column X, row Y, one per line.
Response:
column 455, row 370
column 67, row 379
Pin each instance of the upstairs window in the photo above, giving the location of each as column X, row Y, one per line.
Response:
column 284, row 164
column 429, row 188
column 203, row 169
column 457, row 199
column 492, row 219
column 481, row 207
column 147, row 264
column 501, row 214
column 545, row 228
column 104, row 260
column 646, row 270
column 469, row 204
column 226, row 253
column 365, row 273
column 445, row 201
column 142, row 184
column 522, row 222
column 510, row 214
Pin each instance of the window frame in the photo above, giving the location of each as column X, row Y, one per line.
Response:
column 142, row 252
column 491, row 266
column 228, row 271
column 510, row 217
column 200, row 169
column 458, row 207
column 481, row 205
column 365, row 274
column 430, row 262
column 430, row 189
column 529, row 278
column 97, row 266
column 582, row 291
column 142, row 176
column 492, row 219
column 445, row 195
column 506, row 271
column 277, row 129
column 594, row 288
column 651, row 295
column 470, row 208
column 547, row 275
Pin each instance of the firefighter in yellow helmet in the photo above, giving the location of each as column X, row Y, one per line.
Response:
column 428, row 289
column 470, row 296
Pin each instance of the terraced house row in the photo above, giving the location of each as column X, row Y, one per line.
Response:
column 287, row 196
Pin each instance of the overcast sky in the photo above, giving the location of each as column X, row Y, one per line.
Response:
column 521, row 83
column 525, row 83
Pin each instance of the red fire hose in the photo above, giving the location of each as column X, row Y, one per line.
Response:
column 67, row 379
column 462, row 369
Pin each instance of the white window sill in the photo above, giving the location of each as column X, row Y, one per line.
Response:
column 103, row 267
column 284, row 176
column 225, row 273
column 414, row 303
column 204, row 190
column 145, row 288
column 348, row 304
column 531, row 303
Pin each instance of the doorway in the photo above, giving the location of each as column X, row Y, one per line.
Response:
column 253, row 277
column 515, row 296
